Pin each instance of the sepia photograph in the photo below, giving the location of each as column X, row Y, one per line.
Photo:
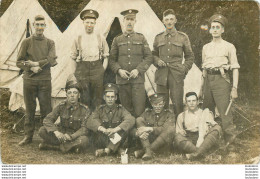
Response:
column 129, row 82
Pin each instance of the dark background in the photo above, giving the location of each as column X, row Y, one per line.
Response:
column 242, row 30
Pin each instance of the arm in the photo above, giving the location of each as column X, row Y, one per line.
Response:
column 22, row 55
column 113, row 64
column 93, row 122
column 188, row 54
column 50, row 119
column 51, row 58
column 234, row 66
column 105, row 52
column 155, row 52
column 148, row 58
column 204, row 73
column 128, row 121
column 168, row 124
column 179, row 125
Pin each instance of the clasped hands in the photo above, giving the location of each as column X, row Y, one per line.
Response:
column 109, row 131
column 144, row 132
column 62, row 137
column 128, row 75
column 34, row 66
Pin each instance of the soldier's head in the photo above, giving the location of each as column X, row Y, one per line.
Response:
column 72, row 90
column 192, row 101
column 217, row 24
column 129, row 19
column 169, row 19
column 157, row 101
column 89, row 17
column 39, row 25
column 110, row 94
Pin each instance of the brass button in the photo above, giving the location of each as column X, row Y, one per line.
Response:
column 168, row 49
column 129, row 63
column 128, row 56
column 128, row 42
column 129, row 49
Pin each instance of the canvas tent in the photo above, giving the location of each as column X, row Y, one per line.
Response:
column 147, row 23
column 13, row 29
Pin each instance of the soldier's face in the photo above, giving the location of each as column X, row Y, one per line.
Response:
column 169, row 21
column 110, row 98
column 89, row 24
column 73, row 95
column 158, row 107
column 129, row 22
column 39, row 27
column 216, row 29
column 192, row 103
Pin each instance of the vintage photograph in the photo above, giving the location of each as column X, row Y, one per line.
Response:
column 129, row 82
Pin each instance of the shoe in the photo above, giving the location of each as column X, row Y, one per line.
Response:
column 77, row 150
column 139, row 153
column 193, row 156
column 147, row 156
column 26, row 140
column 45, row 146
column 100, row 152
column 107, row 151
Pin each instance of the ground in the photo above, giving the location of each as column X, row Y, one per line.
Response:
column 242, row 152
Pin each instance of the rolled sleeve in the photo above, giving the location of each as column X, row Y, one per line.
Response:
column 232, row 56
column 105, row 47
column 179, row 125
column 74, row 50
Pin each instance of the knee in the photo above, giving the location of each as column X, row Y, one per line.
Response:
column 84, row 141
column 42, row 132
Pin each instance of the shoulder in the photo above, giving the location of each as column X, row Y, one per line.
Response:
column 228, row 44
column 207, row 45
column 160, row 34
column 148, row 110
column 118, row 36
column 84, row 106
column 101, row 107
column 168, row 111
column 180, row 116
column 182, row 34
column 27, row 40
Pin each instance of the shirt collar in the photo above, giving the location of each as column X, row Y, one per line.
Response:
column 38, row 37
column 170, row 32
column 131, row 33
column 112, row 108
column 70, row 106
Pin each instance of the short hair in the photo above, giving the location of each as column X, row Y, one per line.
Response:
column 39, row 17
column 168, row 11
column 191, row 94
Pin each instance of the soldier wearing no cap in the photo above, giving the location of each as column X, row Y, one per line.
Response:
column 130, row 57
column 90, row 52
column 155, row 127
column 108, row 120
column 218, row 57
column 170, row 47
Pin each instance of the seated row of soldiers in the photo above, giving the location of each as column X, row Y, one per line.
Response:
column 110, row 128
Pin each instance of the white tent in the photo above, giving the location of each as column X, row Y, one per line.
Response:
column 13, row 25
column 147, row 23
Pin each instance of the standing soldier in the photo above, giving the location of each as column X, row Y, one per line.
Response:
column 218, row 57
column 155, row 127
column 110, row 123
column 130, row 57
column 169, row 47
column 36, row 56
column 88, row 50
column 69, row 132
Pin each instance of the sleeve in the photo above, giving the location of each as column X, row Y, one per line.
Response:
column 232, row 57
column 22, row 55
column 140, row 121
column 51, row 58
column 179, row 125
column 105, row 47
column 155, row 52
column 169, row 124
column 49, row 120
column 74, row 50
column 83, row 130
column 128, row 120
column 188, row 54
column 112, row 62
column 94, row 122
column 148, row 58
column 203, row 57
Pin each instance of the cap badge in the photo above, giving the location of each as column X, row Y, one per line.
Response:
column 109, row 85
column 130, row 11
column 91, row 11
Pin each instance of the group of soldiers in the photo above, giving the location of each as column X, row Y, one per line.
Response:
column 83, row 121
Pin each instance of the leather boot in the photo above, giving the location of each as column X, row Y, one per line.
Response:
column 26, row 140
column 159, row 142
column 187, row 147
column 45, row 146
column 148, row 151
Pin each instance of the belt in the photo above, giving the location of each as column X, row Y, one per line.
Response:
column 215, row 71
column 92, row 62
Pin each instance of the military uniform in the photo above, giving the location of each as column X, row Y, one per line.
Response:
column 131, row 51
column 108, row 117
column 163, row 125
column 72, row 122
column 217, row 59
column 169, row 47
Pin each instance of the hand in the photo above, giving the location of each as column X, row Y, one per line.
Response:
column 36, row 69
column 124, row 74
column 134, row 73
column 68, row 137
column 31, row 63
column 144, row 136
column 61, row 137
column 233, row 94
column 141, row 130
column 161, row 63
column 113, row 131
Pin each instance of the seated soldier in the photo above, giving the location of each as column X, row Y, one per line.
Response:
column 155, row 127
column 69, row 132
column 196, row 130
column 110, row 124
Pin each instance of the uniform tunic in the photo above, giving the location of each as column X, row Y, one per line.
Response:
column 171, row 47
column 129, row 52
column 217, row 87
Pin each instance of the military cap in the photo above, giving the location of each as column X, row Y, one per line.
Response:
column 110, row 87
column 39, row 17
column 168, row 11
column 89, row 13
column 156, row 98
column 218, row 18
column 72, row 83
column 129, row 12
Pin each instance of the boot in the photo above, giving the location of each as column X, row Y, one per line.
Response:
column 100, row 152
column 187, row 147
column 148, row 151
column 139, row 153
column 26, row 140
column 67, row 146
column 45, row 146
column 159, row 142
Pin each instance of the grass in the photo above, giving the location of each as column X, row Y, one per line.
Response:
column 240, row 153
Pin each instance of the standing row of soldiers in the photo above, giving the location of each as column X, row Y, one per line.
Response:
column 111, row 125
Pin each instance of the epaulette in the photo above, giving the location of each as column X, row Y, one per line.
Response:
column 101, row 106
column 119, row 106
column 83, row 105
column 139, row 33
column 148, row 110
column 182, row 33
column 118, row 35
column 62, row 102
column 169, row 110
column 160, row 33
